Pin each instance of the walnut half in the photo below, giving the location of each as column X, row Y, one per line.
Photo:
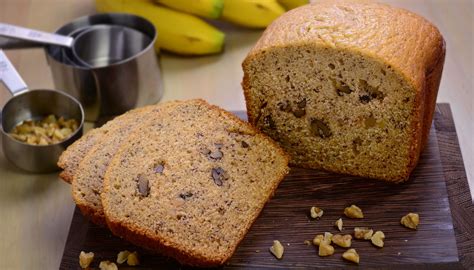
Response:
column 411, row 220
column 277, row 249
column 344, row 241
column 85, row 259
column 107, row 265
column 363, row 233
column 377, row 238
column 351, row 255
column 353, row 211
column 316, row 212
column 325, row 249
column 339, row 224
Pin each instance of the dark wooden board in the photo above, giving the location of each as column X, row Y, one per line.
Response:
column 285, row 217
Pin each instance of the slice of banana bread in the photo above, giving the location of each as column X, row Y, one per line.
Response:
column 347, row 86
column 191, row 183
column 88, row 179
column 71, row 157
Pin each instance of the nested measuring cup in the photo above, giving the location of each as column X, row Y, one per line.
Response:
column 105, row 86
column 32, row 105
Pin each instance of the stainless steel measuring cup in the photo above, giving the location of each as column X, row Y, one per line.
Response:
column 34, row 104
column 114, row 87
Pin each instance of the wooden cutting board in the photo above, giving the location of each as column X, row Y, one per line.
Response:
column 286, row 218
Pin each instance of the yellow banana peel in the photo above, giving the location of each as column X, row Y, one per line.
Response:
column 291, row 4
column 211, row 9
column 252, row 13
column 177, row 32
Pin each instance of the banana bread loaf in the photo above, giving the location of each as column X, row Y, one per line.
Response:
column 349, row 87
column 191, row 183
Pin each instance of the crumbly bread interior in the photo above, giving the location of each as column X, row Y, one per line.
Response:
column 331, row 108
column 71, row 158
column 192, row 182
column 87, row 181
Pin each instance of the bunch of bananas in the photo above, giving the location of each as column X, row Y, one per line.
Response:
column 181, row 31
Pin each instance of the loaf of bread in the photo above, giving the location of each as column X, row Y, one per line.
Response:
column 71, row 158
column 88, row 178
column 191, row 182
column 348, row 87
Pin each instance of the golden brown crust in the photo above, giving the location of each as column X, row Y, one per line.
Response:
column 405, row 40
column 137, row 235
column 411, row 45
column 92, row 214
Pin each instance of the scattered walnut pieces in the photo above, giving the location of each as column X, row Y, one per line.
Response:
column 318, row 239
column 325, row 249
column 85, row 259
column 377, row 238
column 316, row 212
column 351, row 255
column 326, row 238
column 363, row 233
column 49, row 130
column 344, row 241
column 339, row 224
column 411, row 220
column 132, row 259
column 353, row 212
column 277, row 249
column 107, row 265
column 122, row 256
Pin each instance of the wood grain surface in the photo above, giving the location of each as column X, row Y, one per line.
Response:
column 286, row 218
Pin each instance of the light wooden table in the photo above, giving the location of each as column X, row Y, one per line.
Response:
column 36, row 210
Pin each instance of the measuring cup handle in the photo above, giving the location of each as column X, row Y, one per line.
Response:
column 25, row 37
column 10, row 77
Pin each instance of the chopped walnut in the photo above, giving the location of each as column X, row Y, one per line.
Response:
column 316, row 212
column 351, row 255
column 122, row 256
column 411, row 220
column 49, row 130
column 132, row 259
column 325, row 249
column 326, row 238
column 107, row 265
column 318, row 239
column 353, row 212
column 363, row 233
column 277, row 249
column 344, row 241
column 307, row 242
column 339, row 224
column 377, row 238
column 85, row 259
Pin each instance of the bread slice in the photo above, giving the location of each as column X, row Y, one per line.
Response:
column 71, row 157
column 88, row 179
column 191, row 183
column 347, row 86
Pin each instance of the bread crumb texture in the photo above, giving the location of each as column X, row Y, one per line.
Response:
column 191, row 183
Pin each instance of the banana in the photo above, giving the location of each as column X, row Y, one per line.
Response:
column 252, row 13
column 177, row 32
column 291, row 4
column 211, row 9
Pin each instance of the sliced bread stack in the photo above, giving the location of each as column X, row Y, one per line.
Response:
column 186, row 179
